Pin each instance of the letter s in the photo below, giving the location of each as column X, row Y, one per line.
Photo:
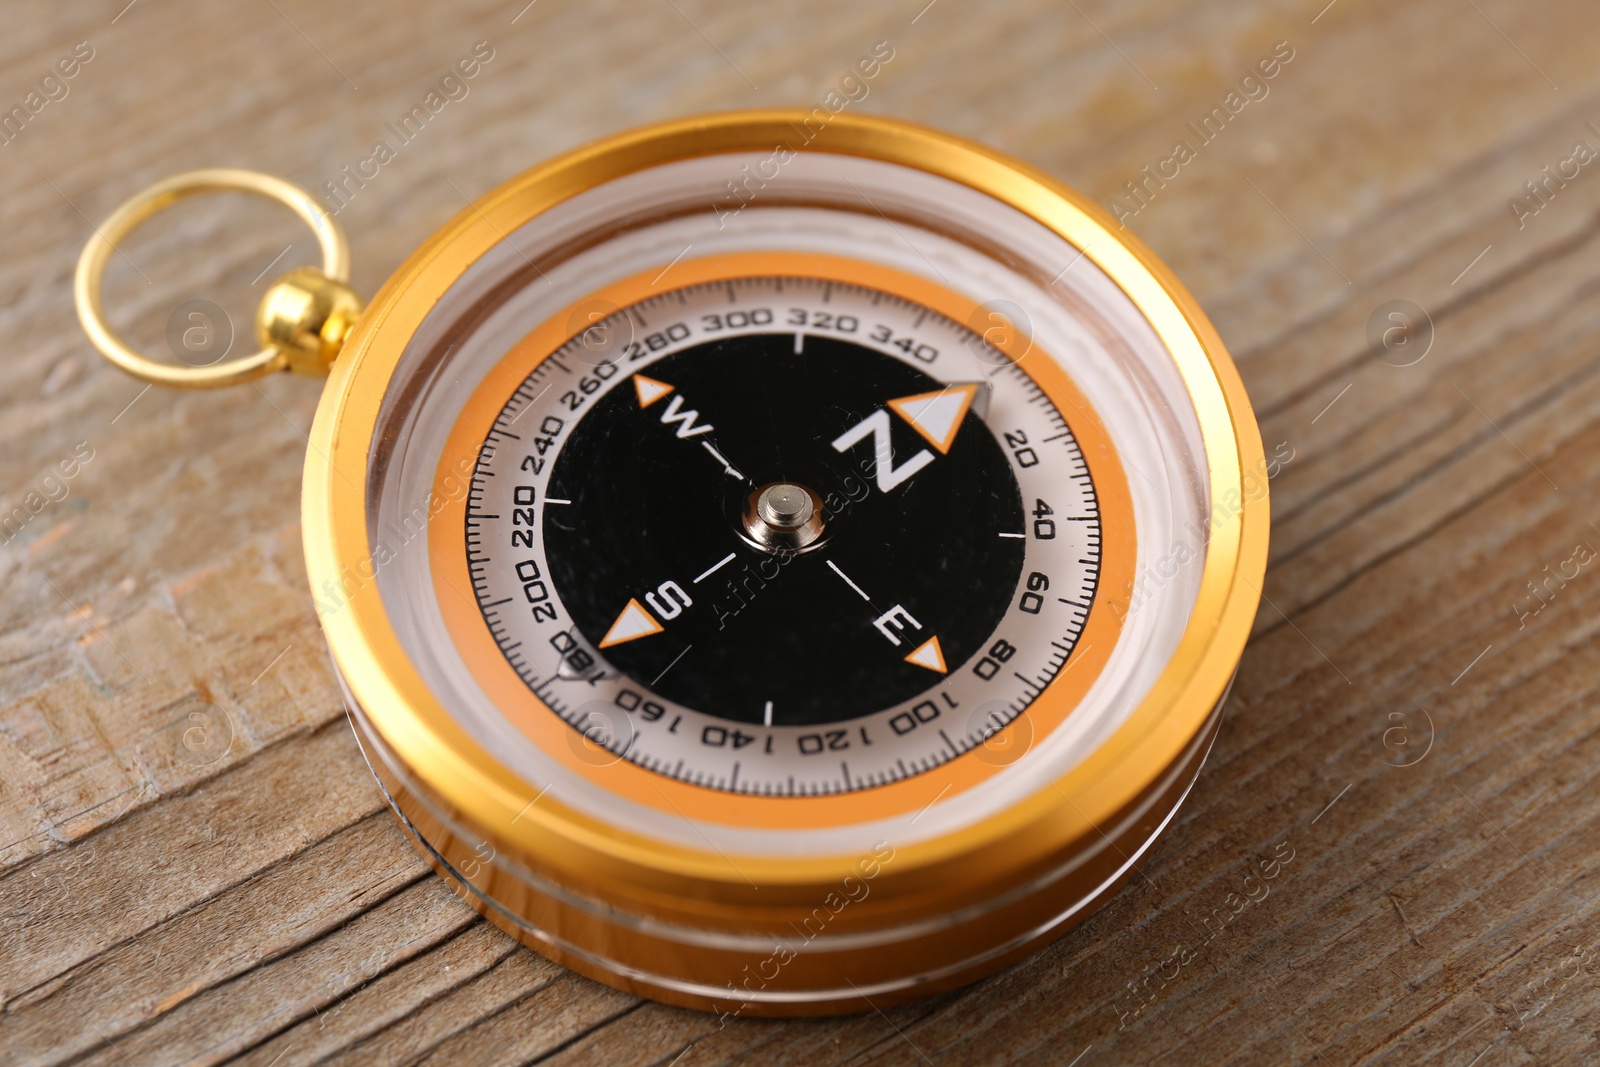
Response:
column 672, row 600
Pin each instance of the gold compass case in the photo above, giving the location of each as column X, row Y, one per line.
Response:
column 754, row 903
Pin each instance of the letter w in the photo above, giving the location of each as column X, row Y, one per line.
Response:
column 686, row 418
column 877, row 426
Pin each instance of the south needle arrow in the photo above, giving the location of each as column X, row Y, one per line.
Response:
column 634, row 622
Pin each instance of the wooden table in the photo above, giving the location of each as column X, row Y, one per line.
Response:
column 1413, row 720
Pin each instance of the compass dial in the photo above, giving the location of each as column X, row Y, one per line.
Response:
column 783, row 535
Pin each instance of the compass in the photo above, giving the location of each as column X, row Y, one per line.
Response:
column 778, row 610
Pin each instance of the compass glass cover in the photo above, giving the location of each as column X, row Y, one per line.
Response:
column 787, row 520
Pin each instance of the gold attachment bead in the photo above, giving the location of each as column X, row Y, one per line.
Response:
column 306, row 315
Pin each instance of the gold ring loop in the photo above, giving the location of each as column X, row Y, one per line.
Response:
column 163, row 194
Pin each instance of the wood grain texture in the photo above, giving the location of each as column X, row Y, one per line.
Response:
column 253, row 901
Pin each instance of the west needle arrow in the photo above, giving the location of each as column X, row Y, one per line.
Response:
column 650, row 390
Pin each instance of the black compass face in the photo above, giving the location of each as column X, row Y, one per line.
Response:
column 783, row 535
column 762, row 530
